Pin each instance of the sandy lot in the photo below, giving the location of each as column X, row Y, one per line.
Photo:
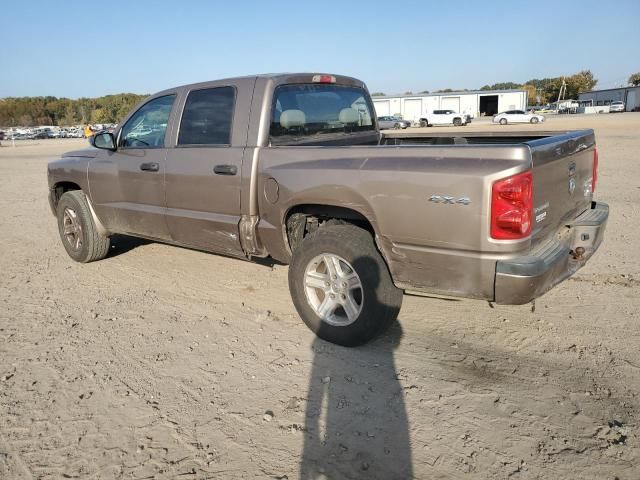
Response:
column 160, row 362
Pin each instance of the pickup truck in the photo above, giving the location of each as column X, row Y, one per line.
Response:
column 444, row 117
column 293, row 167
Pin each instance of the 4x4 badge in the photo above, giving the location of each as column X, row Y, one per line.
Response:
column 450, row 200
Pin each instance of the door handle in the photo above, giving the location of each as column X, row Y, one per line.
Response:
column 225, row 169
column 150, row 167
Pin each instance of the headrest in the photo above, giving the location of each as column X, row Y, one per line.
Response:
column 292, row 118
column 349, row 116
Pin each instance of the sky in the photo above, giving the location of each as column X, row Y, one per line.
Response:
column 87, row 49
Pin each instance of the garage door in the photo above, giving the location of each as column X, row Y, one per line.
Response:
column 450, row 103
column 382, row 108
column 412, row 109
column 633, row 100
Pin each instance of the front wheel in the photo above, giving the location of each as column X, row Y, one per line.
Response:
column 503, row 121
column 424, row 123
column 396, row 126
column 457, row 122
column 78, row 231
column 341, row 287
column 534, row 120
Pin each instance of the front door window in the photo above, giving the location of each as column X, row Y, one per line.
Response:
column 147, row 127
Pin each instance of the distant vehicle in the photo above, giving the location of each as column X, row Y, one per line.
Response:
column 616, row 107
column 517, row 116
column 1, row 135
column 443, row 117
column 385, row 123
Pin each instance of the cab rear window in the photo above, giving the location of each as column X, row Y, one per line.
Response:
column 310, row 110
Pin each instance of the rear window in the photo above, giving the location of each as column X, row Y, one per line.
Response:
column 303, row 111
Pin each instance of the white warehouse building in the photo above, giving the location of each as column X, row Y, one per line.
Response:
column 478, row 103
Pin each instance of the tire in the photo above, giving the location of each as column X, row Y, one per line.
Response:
column 503, row 121
column 373, row 298
column 457, row 122
column 534, row 120
column 77, row 229
column 396, row 126
column 424, row 123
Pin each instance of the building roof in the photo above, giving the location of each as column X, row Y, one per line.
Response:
column 610, row 89
column 447, row 94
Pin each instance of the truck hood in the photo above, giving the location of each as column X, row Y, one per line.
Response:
column 84, row 153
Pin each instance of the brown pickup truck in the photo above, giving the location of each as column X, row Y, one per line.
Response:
column 293, row 167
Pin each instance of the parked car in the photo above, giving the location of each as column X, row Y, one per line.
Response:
column 499, row 218
column 517, row 116
column 443, row 117
column 616, row 107
column 385, row 123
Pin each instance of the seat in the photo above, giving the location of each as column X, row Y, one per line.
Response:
column 349, row 116
column 292, row 119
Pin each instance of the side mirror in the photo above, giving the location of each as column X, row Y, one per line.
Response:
column 103, row 140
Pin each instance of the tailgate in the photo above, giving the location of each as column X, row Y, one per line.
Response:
column 562, row 179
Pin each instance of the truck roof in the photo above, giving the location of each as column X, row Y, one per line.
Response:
column 277, row 79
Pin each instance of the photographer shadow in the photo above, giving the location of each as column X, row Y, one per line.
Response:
column 356, row 423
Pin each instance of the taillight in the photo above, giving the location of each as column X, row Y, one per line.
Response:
column 595, row 170
column 511, row 207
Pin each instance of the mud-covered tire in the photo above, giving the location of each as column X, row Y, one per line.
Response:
column 380, row 299
column 77, row 229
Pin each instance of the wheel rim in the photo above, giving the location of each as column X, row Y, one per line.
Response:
column 333, row 289
column 71, row 228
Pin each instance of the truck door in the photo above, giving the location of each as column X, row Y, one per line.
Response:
column 203, row 181
column 127, row 186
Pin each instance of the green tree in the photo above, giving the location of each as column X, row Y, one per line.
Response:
column 100, row 115
column 634, row 79
column 378, row 94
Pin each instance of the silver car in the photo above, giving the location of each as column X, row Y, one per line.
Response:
column 386, row 123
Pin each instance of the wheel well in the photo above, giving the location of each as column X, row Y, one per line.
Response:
column 61, row 188
column 304, row 220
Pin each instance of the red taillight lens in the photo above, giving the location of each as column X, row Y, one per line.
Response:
column 595, row 170
column 323, row 79
column 511, row 207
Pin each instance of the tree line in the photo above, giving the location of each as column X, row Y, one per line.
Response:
column 543, row 90
column 32, row 111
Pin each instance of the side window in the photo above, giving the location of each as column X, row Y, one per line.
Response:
column 207, row 117
column 146, row 128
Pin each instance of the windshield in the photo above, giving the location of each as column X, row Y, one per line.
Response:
column 303, row 111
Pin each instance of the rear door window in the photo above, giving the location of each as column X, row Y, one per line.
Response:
column 207, row 117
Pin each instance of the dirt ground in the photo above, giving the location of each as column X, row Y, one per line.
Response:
column 160, row 362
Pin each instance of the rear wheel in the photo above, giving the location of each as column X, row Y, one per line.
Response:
column 424, row 123
column 503, row 121
column 78, row 231
column 534, row 120
column 341, row 287
column 457, row 122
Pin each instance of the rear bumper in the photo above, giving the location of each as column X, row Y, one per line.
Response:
column 522, row 279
